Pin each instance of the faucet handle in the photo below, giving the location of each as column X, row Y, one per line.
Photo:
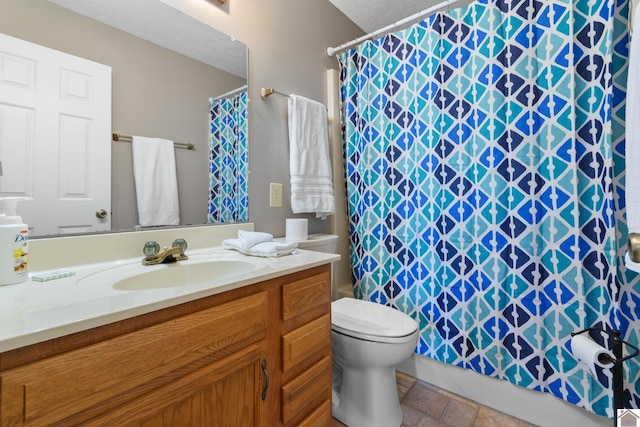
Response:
column 180, row 243
column 151, row 249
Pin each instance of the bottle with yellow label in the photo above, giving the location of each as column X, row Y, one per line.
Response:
column 14, row 243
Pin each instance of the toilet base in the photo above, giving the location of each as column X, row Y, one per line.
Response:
column 367, row 398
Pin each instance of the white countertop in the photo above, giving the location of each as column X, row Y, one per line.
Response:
column 33, row 312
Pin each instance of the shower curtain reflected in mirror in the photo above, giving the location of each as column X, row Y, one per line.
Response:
column 478, row 156
column 228, row 160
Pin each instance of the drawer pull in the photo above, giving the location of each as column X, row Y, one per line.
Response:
column 266, row 379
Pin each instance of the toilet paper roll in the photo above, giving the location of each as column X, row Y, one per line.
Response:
column 591, row 353
column 296, row 229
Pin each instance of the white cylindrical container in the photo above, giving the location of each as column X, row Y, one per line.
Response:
column 14, row 244
column 296, row 229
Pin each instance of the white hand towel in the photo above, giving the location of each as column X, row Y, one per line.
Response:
column 249, row 239
column 154, row 171
column 309, row 163
column 632, row 158
column 236, row 244
column 264, row 249
column 271, row 249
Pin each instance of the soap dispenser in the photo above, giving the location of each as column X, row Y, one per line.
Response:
column 14, row 243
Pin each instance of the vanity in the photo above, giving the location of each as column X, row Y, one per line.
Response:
column 251, row 347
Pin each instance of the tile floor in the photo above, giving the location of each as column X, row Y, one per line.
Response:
column 425, row 405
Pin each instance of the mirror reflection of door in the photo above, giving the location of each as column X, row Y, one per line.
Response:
column 60, row 105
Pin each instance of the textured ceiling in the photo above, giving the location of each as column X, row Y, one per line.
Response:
column 154, row 21
column 166, row 26
column 371, row 15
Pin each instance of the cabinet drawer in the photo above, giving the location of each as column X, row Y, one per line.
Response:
column 98, row 377
column 303, row 394
column 307, row 343
column 303, row 295
column 321, row 417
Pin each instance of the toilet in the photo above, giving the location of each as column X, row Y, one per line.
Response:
column 368, row 340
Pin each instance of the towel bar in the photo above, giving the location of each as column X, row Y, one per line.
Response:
column 265, row 92
column 126, row 138
column 633, row 246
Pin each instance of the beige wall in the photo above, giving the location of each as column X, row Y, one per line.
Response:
column 156, row 92
column 287, row 42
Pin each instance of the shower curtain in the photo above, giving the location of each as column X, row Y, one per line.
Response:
column 479, row 169
column 228, row 160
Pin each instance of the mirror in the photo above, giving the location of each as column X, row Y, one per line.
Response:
column 165, row 66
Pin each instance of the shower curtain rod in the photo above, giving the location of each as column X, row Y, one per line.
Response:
column 444, row 4
column 231, row 92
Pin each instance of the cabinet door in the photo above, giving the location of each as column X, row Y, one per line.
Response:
column 80, row 385
column 225, row 393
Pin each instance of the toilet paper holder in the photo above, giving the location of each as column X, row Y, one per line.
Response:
column 633, row 246
column 615, row 337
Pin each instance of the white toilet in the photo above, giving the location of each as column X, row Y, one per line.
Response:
column 368, row 340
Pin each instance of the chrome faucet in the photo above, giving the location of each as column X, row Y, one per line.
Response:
column 153, row 255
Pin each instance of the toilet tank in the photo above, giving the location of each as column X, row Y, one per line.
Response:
column 320, row 243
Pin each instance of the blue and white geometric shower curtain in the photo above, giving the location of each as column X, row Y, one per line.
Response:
column 479, row 168
column 228, row 161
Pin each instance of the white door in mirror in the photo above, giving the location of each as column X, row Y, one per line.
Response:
column 59, row 106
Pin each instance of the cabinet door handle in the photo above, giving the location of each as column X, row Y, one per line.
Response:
column 266, row 379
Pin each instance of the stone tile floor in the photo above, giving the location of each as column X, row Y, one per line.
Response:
column 425, row 405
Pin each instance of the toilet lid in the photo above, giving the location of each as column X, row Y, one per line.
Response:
column 371, row 321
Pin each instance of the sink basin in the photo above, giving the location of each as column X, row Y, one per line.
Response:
column 174, row 275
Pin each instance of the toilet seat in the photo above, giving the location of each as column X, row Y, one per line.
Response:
column 371, row 322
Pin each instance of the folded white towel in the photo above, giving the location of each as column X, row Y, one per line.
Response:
column 264, row 249
column 274, row 248
column 632, row 158
column 309, row 162
column 154, row 171
column 259, row 244
column 251, row 238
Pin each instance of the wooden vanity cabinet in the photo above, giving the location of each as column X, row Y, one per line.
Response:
column 255, row 356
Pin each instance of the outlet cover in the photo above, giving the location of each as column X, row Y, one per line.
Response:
column 275, row 195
